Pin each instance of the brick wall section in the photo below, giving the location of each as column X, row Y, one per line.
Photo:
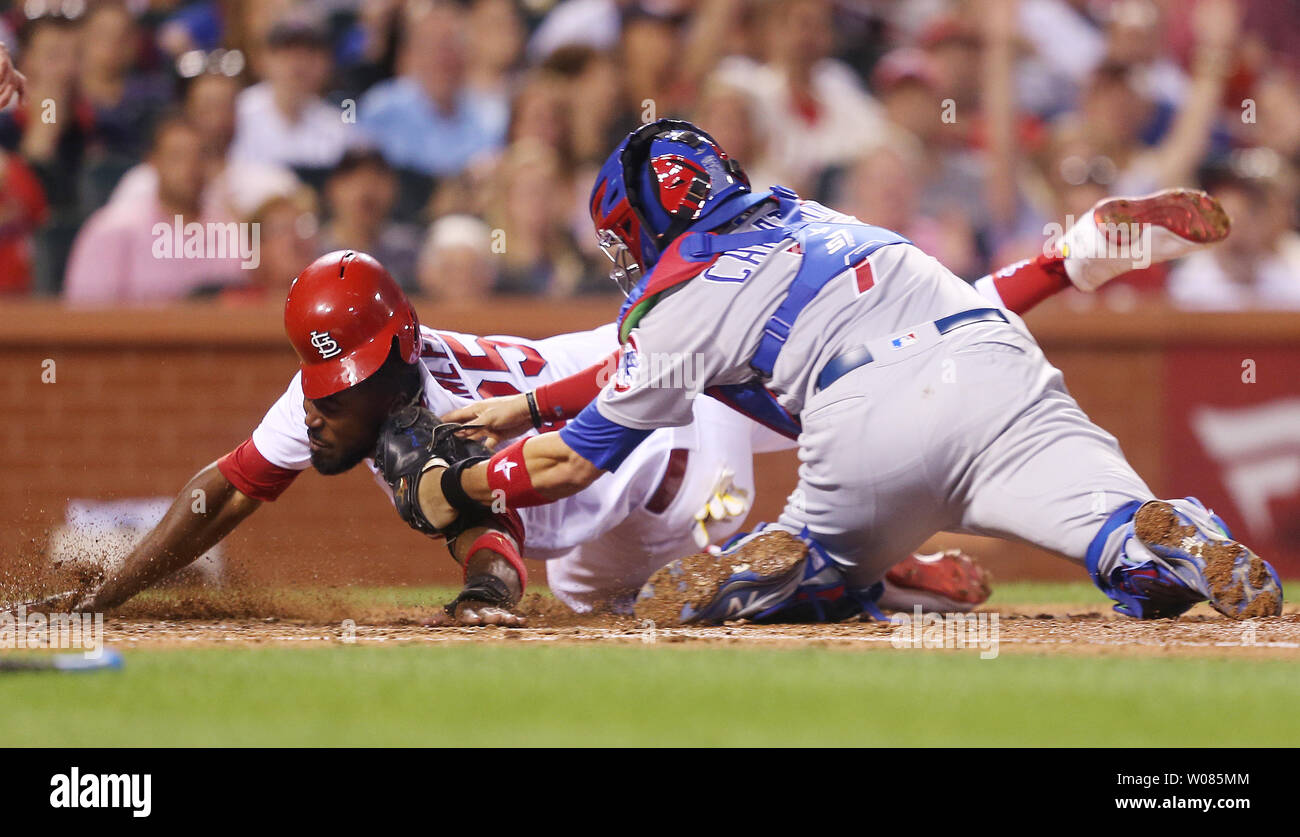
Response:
column 144, row 399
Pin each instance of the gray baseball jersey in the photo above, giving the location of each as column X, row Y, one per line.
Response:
column 960, row 428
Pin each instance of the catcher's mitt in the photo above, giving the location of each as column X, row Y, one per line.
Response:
column 413, row 441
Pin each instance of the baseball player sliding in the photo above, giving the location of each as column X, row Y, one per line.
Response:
column 365, row 358
column 917, row 404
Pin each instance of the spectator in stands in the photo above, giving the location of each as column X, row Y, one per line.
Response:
column 140, row 251
column 530, row 200
column 1117, row 112
column 51, row 131
column 367, row 51
column 125, row 103
column 287, row 235
column 206, row 25
column 540, row 113
column 590, row 78
column 1258, row 266
column 945, row 182
column 813, row 108
column 884, row 188
column 233, row 188
column 22, row 211
column 359, row 198
column 497, row 34
column 1276, row 122
column 283, row 120
column 457, row 262
column 428, row 119
column 730, row 114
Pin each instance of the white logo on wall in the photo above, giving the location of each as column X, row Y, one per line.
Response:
column 326, row 345
column 1258, row 448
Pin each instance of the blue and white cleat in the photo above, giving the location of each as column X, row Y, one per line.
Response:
column 1196, row 560
column 750, row 577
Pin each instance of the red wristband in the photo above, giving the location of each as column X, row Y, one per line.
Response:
column 565, row 398
column 499, row 544
column 507, row 476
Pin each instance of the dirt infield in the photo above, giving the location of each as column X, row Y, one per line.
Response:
column 1017, row 629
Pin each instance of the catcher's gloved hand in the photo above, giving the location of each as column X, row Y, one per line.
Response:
column 412, row 442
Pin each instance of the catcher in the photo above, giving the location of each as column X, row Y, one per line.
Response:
column 917, row 406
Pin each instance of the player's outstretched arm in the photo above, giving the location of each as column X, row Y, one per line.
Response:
column 508, row 416
column 531, row 472
column 205, row 511
column 494, row 420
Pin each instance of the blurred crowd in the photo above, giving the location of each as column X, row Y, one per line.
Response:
column 456, row 140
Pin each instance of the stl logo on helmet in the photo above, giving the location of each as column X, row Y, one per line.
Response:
column 326, row 345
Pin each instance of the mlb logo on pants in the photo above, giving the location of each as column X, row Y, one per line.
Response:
column 903, row 340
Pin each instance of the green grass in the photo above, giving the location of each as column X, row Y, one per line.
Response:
column 1046, row 593
column 468, row 694
column 477, row 695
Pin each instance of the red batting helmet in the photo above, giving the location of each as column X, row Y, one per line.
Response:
column 342, row 314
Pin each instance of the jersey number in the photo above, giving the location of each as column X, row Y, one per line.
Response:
column 491, row 361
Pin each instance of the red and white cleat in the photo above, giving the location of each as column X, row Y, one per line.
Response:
column 1122, row 234
column 942, row 582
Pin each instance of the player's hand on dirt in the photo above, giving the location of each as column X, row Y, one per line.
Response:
column 471, row 613
column 13, row 84
column 497, row 419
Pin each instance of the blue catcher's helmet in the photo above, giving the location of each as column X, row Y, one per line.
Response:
column 663, row 179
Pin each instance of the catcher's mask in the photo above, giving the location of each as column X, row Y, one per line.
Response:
column 662, row 179
column 343, row 313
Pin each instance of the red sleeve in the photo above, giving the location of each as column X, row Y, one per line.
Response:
column 565, row 398
column 248, row 470
column 1025, row 284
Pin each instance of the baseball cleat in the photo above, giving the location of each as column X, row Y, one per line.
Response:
column 941, row 582
column 755, row 574
column 1204, row 562
column 1112, row 238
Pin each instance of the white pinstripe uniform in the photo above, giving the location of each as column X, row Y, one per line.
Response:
column 602, row 541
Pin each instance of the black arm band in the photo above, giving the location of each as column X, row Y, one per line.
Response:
column 533, row 410
column 455, row 493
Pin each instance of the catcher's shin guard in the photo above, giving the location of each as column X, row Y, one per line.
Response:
column 1175, row 554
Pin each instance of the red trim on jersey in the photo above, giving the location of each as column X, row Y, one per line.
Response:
column 508, row 473
column 672, row 269
column 498, row 544
column 863, row 276
column 1025, row 284
column 246, row 469
column 565, row 398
